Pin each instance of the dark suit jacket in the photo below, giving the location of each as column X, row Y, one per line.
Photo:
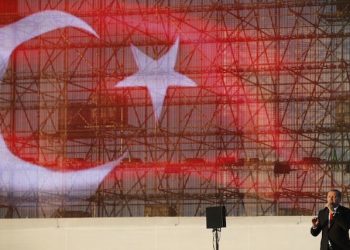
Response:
column 338, row 232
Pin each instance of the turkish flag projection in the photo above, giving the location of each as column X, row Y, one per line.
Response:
column 170, row 86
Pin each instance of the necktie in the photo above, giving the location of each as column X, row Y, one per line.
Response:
column 330, row 218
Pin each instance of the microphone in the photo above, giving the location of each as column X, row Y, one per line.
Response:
column 330, row 207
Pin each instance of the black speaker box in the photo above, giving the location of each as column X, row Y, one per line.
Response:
column 216, row 217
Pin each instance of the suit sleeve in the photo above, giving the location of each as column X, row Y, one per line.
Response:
column 348, row 219
column 316, row 231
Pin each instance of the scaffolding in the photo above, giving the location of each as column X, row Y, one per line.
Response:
column 265, row 132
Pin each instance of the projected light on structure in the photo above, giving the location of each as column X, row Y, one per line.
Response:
column 156, row 75
column 239, row 110
column 17, row 175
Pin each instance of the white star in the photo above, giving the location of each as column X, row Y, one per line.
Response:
column 156, row 75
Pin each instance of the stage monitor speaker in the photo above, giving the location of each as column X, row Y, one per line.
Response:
column 216, row 217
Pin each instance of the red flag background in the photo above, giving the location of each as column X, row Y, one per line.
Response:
column 264, row 132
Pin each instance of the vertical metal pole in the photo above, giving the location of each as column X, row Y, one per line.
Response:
column 216, row 239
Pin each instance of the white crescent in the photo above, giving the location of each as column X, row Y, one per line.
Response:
column 17, row 175
column 32, row 26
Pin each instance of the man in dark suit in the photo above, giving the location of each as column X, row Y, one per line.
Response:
column 334, row 223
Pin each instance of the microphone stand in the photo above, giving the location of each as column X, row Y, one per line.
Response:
column 216, row 237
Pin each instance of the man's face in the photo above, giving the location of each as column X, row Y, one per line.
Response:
column 332, row 198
